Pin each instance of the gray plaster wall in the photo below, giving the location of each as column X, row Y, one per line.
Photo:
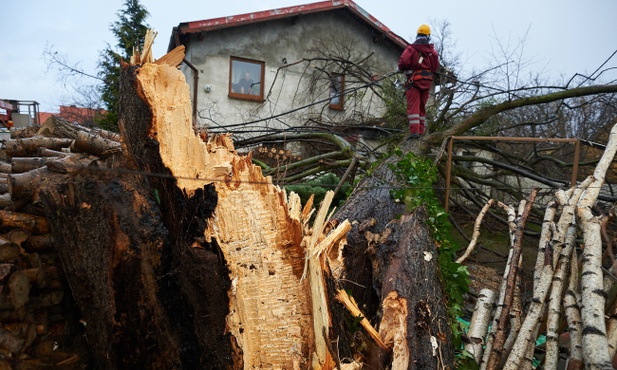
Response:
column 291, row 81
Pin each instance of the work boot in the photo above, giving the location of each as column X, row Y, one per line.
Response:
column 413, row 136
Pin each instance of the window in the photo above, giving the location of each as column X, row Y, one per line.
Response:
column 337, row 86
column 245, row 79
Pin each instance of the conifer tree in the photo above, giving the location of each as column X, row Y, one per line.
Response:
column 129, row 30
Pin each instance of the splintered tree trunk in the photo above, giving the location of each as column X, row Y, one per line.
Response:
column 414, row 322
column 266, row 319
column 391, row 266
column 224, row 285
column 181, row 254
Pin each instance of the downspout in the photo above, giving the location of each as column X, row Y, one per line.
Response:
column 176, row 39
column 195, row 90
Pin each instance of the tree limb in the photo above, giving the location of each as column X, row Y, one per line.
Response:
column 485, row 113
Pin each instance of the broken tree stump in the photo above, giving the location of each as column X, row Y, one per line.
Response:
column 268, row 315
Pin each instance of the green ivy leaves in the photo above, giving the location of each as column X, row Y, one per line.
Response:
column 416, row 177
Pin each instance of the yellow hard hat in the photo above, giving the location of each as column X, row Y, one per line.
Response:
column 424, row 29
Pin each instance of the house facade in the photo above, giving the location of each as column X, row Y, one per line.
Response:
column 289, row 69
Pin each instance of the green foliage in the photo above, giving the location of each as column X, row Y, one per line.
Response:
column 319, row 187
column 109, row 121
column 417, row 177
column 130, row 31
column 466, row 361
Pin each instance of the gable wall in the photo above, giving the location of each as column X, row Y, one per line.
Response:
column 286, row 85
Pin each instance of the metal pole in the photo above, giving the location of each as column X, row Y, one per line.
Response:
column 577, row 154
column 500, row 138
column 577, row 148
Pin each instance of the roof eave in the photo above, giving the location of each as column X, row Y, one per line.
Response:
column 268, row 15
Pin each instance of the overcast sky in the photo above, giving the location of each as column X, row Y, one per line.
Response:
column 561, row 37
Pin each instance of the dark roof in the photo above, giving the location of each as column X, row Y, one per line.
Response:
column 292, row 11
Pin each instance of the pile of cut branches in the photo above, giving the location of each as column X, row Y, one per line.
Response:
column 574, row 302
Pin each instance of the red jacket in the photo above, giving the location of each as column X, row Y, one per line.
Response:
column 419, row 61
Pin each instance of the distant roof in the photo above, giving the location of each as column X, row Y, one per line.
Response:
column 73, row 113
column 267, row 15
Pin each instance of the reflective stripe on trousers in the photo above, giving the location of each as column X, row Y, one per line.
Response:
column 414, row 119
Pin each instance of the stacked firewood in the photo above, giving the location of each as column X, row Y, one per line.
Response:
column 39, row 323
column 574, row 302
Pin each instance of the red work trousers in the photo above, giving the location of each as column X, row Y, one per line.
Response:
column 416, row 109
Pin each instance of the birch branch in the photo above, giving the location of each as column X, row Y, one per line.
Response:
column 498, row 309
column 555, row 299
column 476, row 232
column 563, row 244
column 502, row 289
column 516, row 321
column 500, row 335
column 573, row 317
column 595, row 343
column 526, row 337
column 545, row 238
column 478, row 326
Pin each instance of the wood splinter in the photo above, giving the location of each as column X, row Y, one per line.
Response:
column 352, row 307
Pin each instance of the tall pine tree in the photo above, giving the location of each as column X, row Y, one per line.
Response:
column 130, row 31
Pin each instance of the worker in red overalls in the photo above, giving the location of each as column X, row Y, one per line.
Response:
column 419, row 62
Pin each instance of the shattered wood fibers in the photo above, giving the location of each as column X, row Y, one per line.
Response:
column 270, row 310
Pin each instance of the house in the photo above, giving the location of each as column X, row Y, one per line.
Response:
column 289, row 70
column 82, row 116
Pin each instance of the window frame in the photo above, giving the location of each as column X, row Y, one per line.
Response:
column 334, row 78
column 258, row 65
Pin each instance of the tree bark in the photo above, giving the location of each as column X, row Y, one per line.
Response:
column 111, row 255
column 595, row 342
column 415, row 323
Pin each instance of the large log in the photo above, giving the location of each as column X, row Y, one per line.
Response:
column 25, row 164
column 388, row 271
column 29, row 222
column 30, row 145
column 38, row 243
column 9, row 251
column 91, row 143
column 5, row 167
column 58, row 127
column 415, row 320
column 26, row 185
